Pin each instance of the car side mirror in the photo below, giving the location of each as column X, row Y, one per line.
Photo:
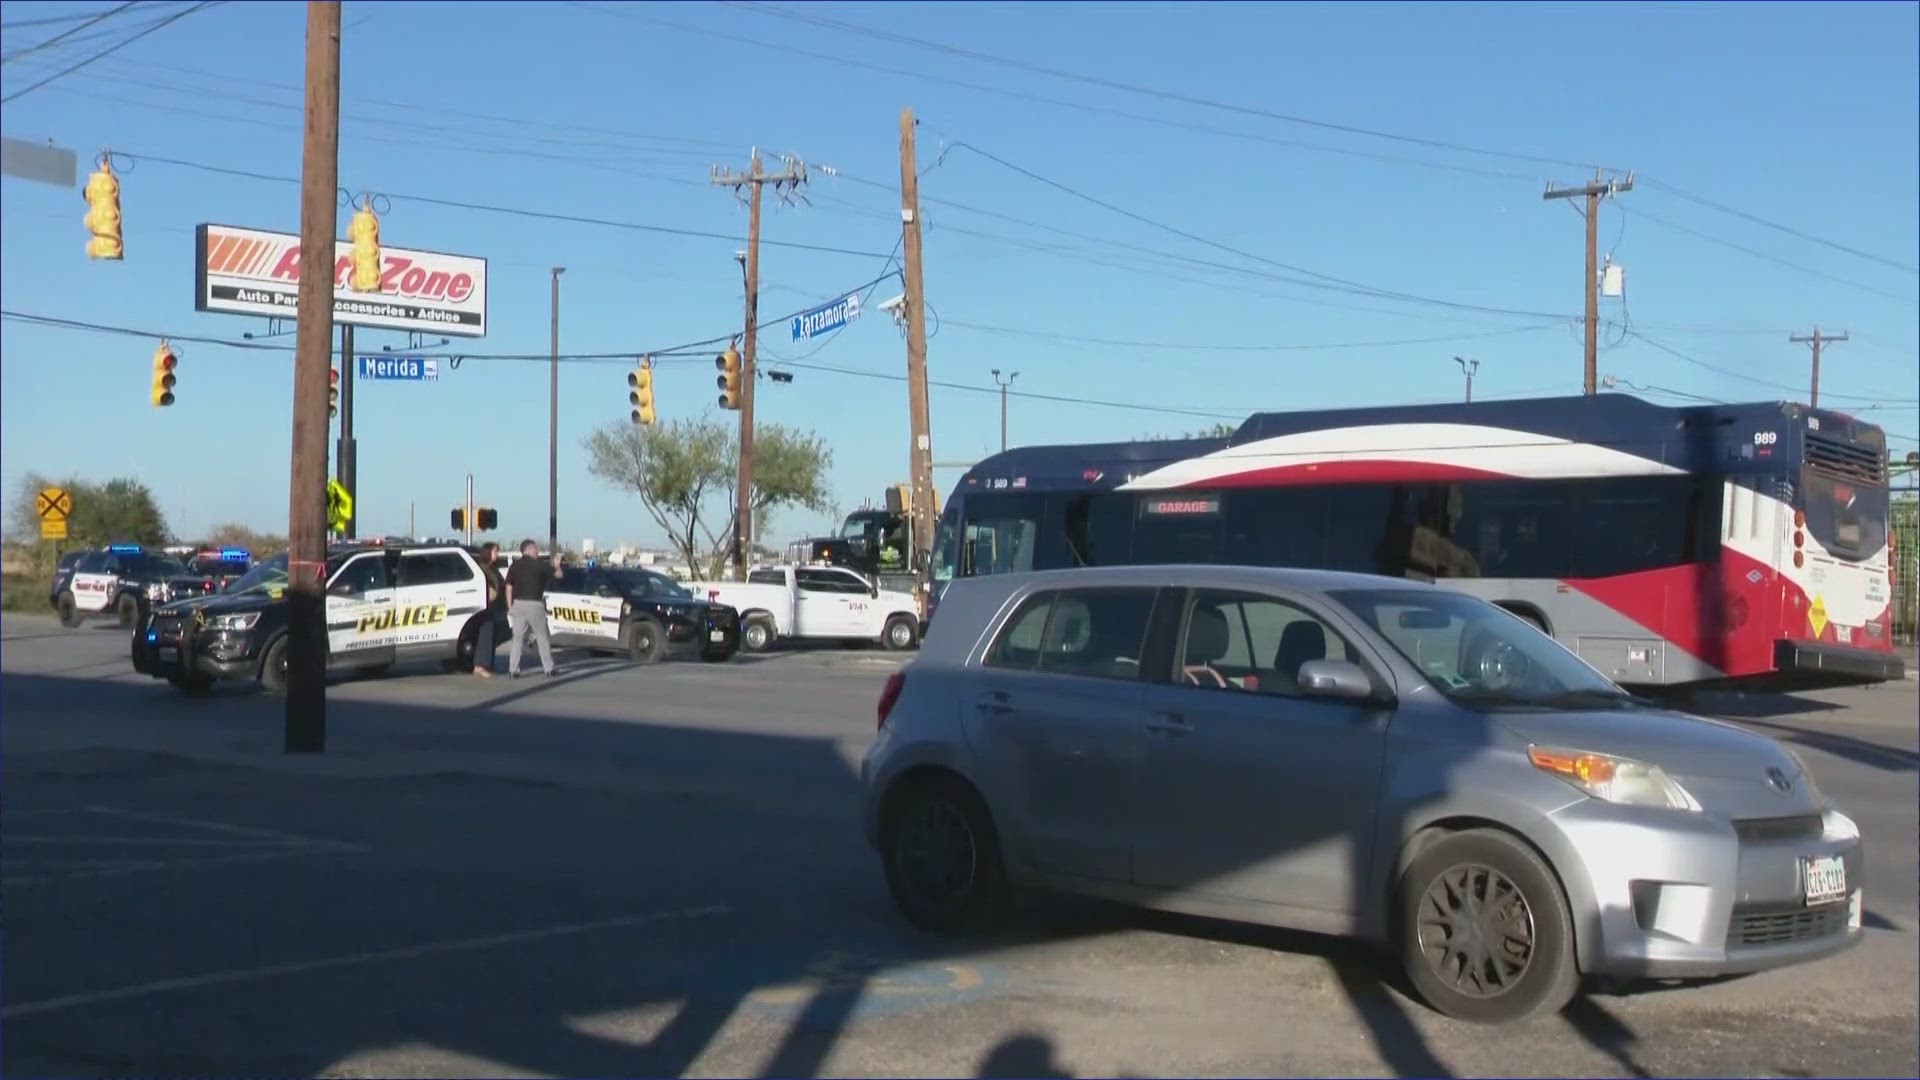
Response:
column 1341, row 680
column 873, row 591
column 342, row 588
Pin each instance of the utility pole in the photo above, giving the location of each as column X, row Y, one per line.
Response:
column 1468, row 366
column 1817, row 339
column 786, row 184
column 920, row 460
column 306, row 723
column 345, row 462
column 553, row 423
column 1593, row 193
column 1003, row 403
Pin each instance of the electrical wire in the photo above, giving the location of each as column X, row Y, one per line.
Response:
column 1198, row 347
column 111, row 49
column 1777, row 227
column 1677, row 354
column 55, row 20
column 1758, row 254
column 543, row 215
column 65, row 34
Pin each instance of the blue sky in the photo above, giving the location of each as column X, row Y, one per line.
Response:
column 609, row 111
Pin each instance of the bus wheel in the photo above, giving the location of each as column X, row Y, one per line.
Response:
column 1527, row 615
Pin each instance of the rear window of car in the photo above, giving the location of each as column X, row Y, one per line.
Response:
column 766, row 577
column 1096, row 633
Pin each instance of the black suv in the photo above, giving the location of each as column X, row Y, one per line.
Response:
column 125, row 581
column 647, row 614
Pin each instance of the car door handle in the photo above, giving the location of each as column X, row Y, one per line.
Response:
column 994, row 704
column 1168, row 723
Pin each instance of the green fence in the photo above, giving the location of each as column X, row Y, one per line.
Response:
column 1906, row 555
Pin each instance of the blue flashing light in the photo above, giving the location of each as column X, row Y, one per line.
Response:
column 152, row 636
column 235, row 554
column 125, row 549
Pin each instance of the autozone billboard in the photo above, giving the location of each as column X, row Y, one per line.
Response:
column 252, row 272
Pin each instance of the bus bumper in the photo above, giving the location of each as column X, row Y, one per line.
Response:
column 1836, row 663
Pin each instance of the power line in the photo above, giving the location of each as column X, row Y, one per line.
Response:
column 65, row 34
column 1167, row 95
column 1788, row 230
column 1758, row 254
column 1677, row 354
column 1198, row 347
column 543, row 215
column 111, row 49
column 89, row 17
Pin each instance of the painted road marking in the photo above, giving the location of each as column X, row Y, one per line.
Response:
column 333, row 963
column 47, row 856
column 885, row 986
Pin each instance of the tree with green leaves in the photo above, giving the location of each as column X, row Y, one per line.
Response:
column 1211, row 431
column 120, row 510
column 684, row 474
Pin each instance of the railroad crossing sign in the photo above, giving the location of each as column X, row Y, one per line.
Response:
column 54, row 507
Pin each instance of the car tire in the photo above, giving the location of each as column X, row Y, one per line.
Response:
column 900, row 634
column 69, row 613
column 757, row 633
column 273, row 667
column 127, row 610
column 190, row 684
column 717, row 656
column 646, row 642
column 1534, row 973
column 962, row 882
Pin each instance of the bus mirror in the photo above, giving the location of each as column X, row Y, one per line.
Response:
column 968, row 554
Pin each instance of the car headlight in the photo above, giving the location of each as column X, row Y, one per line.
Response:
column 1613, row 779
column 156, row 590
column 242, row 621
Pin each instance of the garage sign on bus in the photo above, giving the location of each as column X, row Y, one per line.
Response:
column 252, row 272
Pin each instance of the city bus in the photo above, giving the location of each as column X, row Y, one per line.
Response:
column 1667, row 546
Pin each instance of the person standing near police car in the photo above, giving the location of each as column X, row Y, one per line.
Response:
column 483, row 646
column 528, row 580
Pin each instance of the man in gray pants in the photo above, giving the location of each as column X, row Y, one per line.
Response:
column 528, row 580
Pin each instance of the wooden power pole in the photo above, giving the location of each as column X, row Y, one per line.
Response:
column 1593, row 193
column 785, row 183
column 306, row 726
column 1817, row 339
column 920, row 460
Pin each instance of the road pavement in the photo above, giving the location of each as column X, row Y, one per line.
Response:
column 657, row 871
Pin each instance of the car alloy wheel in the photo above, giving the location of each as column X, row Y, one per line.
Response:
column 936, row 852
column 755, row 636
column 1476, row 931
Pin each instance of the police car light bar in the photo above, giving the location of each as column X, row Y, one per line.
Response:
column 125, row 549
column 235, row 553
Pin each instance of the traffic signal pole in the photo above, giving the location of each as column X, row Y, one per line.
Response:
column 306, row 720
column 346, row 465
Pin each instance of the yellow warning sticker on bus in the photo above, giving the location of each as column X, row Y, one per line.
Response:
column 1817, row 616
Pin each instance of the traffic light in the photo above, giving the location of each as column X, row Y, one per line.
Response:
column 729, row 379
column 164, row 361
column 103, row 212
column 364, row 231
column 333, row 392
column 487, row 518
column 459, row 519
column 641, row 396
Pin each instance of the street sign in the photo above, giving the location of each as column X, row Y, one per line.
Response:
column 53, row 528
column 54, row 504
column 400, row 368
column 827, row 317
column 40, row 162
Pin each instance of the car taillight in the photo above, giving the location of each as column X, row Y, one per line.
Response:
column 889, row 694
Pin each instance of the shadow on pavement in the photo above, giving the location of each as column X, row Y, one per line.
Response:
column 534, row 893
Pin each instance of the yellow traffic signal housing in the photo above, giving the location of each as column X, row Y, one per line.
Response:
column 103, row 212
column 364, row 231
column 729, row 379
column 641, row 394
column 164, row 361
column 333, row 392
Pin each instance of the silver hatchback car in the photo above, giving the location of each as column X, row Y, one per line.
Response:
column 1345, row 754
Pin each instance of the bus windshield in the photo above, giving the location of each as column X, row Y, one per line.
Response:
column 1848, row 518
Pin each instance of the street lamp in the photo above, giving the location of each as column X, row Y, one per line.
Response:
column 1468, row 366
column 1003, row 402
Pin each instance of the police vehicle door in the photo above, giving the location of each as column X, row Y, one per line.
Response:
column 360, row 612
column 95, row 581
column 586, row 610
column 439, row 592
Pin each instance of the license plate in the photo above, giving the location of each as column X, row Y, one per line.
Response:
column 716, row 635
column 169, row 655
column 1824, row 878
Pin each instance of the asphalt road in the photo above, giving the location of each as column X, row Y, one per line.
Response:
column 656, row 871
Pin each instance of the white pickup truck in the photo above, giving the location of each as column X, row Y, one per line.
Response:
column 815, row 603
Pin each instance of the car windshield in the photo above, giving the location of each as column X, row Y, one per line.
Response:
column 269, row 577
column 649, row 584
column 151, row 564
column 1480, row 655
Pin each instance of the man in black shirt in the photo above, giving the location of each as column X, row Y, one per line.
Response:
column 528, row 580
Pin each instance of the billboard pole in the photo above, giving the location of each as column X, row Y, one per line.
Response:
column 346, row 457
column 306, row 649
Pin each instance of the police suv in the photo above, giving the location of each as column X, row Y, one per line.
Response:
column 647, row 615
column 383, row 605
column 122, row 580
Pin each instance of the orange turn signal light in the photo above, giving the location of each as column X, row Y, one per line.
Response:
column 1586, row 768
